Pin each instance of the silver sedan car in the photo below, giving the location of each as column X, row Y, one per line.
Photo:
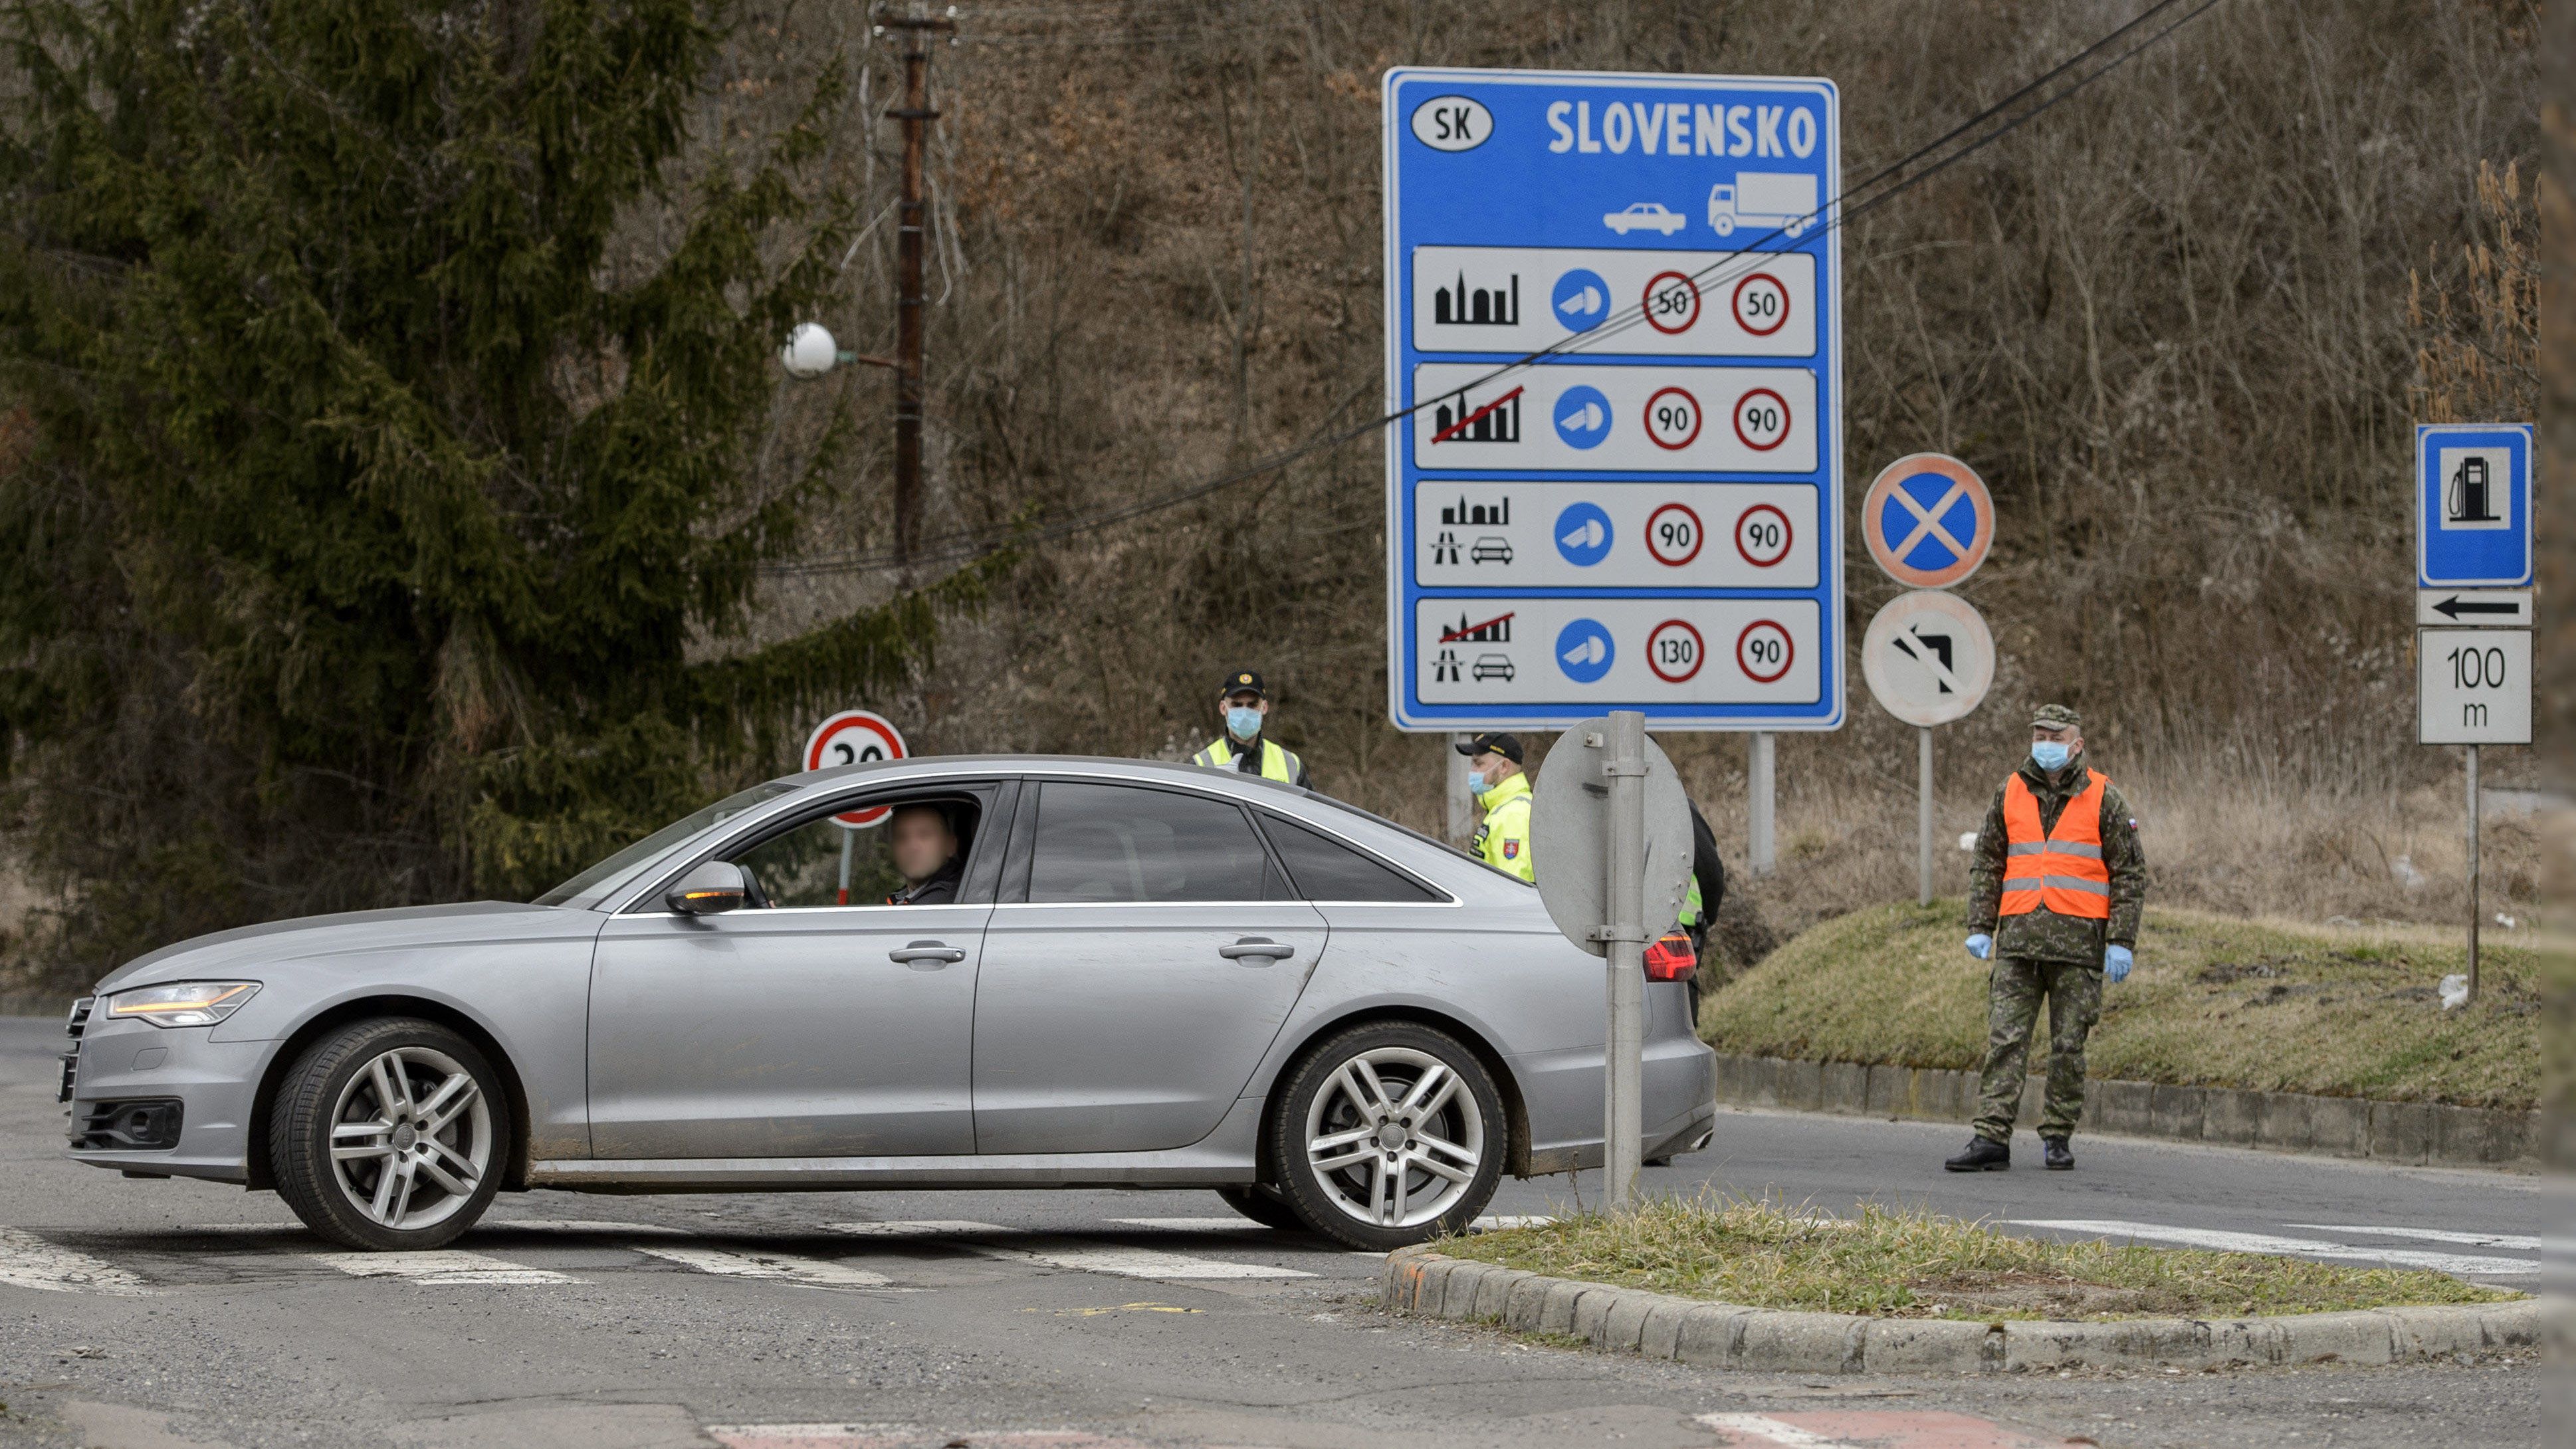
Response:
column 949, row 972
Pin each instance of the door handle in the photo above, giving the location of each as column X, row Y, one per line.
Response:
column 1256, row 946
column 926, row 955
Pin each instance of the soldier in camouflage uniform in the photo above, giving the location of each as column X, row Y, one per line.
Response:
column 2054, row 901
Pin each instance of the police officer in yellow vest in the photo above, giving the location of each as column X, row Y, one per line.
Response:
column 1241, row 746
column 1502, row 790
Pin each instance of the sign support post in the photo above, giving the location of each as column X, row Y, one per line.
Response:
column 1623, row 1116
column 2473, row 873
column 1758, row 847
column 1923, row 813
column 1462, row 818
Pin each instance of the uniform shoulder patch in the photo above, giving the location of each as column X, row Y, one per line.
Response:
column 1511, row 850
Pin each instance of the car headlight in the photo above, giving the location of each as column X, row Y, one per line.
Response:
column 182, row 1003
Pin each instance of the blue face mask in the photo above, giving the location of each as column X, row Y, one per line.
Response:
column 2049, row 755
column 1476, row 782
column 1243, row 723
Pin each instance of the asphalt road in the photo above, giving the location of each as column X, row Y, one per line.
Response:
column 181, row 1313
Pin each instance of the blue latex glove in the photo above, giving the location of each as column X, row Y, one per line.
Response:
column 1981, row 946
column 2115, row 964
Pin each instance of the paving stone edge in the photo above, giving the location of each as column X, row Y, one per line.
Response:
column 1429, row 1284
column 2421, row 1133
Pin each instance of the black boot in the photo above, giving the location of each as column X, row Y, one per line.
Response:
column 1983, row 1155
column 2056, row 1155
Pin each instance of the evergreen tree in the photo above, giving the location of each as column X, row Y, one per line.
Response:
column 372, row 527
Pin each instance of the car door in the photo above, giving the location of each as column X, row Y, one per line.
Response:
column 1143, row 957
column 799, row 1028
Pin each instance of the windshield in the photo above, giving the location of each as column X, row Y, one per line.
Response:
column 589, row 881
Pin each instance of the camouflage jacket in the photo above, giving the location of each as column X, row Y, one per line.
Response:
column 2043, row 935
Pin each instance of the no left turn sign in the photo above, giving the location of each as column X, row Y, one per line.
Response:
column 854, row 737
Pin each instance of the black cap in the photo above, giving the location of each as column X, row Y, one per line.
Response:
column 1241, row 680
column 1507, row 746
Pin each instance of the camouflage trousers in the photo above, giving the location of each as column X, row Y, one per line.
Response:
column 2014, row 990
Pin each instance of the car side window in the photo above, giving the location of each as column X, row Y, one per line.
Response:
column 827, row 861
column 1327, row 870
column 1110, row 843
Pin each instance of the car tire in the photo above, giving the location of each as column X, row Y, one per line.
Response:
column 1264, row 1207
column 1387, row 1094
column 444, row 1137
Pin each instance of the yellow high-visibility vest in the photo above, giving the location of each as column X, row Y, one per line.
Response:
column 1503, row 840
column 1276, row 763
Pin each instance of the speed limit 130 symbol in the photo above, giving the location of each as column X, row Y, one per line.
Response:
column 1761, row 419
column 1674, row 651
column 1672, row 302
column 1673, row 534
column 1763, row 651
column 1672, row 419
column 1761, row 304
column 1762, row 535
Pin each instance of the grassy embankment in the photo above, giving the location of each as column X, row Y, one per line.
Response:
column 2213, row 1001
column 1904, row 1265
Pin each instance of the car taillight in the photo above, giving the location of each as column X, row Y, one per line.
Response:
column 1672, row 959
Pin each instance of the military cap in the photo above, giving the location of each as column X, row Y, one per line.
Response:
column 1507, row 746
column 2056, row 717
column 1243, row 681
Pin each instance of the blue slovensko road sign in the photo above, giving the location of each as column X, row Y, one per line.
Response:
column 1647, row 519
column 2472, row 505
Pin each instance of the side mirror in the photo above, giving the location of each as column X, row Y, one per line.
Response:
column 712, row 889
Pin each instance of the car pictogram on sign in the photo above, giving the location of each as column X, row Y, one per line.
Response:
column 1644, row 216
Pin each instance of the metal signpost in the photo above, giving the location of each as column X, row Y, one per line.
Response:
column 1646, row 518
column 853, row 737
column 1928, row 656
column 1613, row 825
column 2473, row 606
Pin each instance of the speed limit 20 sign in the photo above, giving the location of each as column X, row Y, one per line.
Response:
column 854, row 737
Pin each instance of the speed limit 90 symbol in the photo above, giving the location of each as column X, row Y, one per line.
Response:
column 1762, row 535
column 1762, row 419
column 1763, row 651
column 1673, row 418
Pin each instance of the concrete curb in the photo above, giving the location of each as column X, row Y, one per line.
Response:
column 2418, row 1133
column 1429, row 1284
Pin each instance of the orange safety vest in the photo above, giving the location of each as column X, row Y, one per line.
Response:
column 2062, row 871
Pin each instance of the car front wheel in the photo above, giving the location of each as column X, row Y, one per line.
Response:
column 389, row 1134
column 1388, row 1134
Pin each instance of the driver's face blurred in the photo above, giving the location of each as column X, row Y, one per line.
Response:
column 921, row 842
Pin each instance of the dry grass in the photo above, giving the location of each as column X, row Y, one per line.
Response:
column 2213, row 1002
column 1917, row 1265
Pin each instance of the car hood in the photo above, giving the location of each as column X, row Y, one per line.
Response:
column 405, row 928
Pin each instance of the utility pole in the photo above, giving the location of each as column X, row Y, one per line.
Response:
column 915, row 114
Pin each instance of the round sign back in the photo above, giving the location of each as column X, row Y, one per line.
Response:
column 1929, row 520
column 854, row 737
column 1928, row 657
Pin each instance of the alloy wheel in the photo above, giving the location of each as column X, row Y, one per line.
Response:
column 1395, row 1138
column 411, row 1138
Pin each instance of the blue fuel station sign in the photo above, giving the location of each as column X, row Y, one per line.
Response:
column 1645, row 514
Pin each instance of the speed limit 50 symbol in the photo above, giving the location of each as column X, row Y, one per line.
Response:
column 1672, row 302
column 1761, row 304
column 1672, row 419
column 1675, row 650
column 1763, row 651
column 1762, row 535
column 1762, row 419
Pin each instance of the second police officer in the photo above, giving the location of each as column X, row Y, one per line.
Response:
column 1241, row 745
column 1502, row 791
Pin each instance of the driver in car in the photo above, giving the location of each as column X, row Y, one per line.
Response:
column 924, row 847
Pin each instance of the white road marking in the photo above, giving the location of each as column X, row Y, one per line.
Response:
column 1492, row 1223
column 1197, row 1225
column 29, row 1261
column 439, row 1267
column 816, row 1272
column 2457, row 1263
column 585, row 1225
column 2511, row 1241
column 1063, row 1252
column 1788, row 1435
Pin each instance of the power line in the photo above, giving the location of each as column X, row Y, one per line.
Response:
column 958, row 547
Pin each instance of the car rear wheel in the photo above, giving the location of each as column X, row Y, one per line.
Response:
column 1388, row 1134
column 389, row 1134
